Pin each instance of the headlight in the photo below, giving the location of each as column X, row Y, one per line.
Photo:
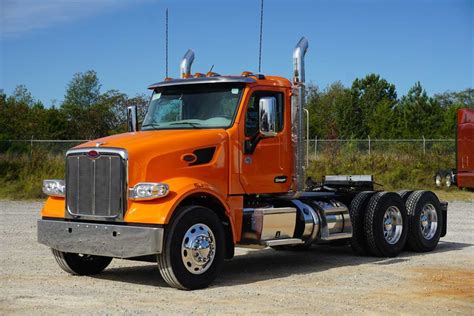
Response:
column 54, row 187
column 148, row 191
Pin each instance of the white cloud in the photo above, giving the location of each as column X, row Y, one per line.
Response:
column 20, row 16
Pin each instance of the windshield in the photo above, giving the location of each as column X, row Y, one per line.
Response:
column 192, row 106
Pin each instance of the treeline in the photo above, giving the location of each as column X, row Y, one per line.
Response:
column 370, row 107
column 85, row 113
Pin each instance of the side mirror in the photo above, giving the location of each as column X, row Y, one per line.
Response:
column 132, row 118
column 267, row 116
column 266, row 123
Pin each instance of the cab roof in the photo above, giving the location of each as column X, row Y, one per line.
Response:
column 257, row 79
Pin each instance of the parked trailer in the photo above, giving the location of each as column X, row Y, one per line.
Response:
column 463, row 175
column 219, row 163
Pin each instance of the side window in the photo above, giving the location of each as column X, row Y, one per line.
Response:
column 251, row 117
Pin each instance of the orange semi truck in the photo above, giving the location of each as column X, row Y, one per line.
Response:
column 219, row 162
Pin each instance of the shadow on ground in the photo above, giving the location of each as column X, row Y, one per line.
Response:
column 269, row 264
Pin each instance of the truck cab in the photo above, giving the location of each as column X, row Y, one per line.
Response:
column 218, row 162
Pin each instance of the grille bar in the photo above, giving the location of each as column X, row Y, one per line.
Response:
column 96, row 187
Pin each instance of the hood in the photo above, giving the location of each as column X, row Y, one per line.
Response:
column 160, row 141
column 164, row 148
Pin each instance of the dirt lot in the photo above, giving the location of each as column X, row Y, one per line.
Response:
column 321, row 280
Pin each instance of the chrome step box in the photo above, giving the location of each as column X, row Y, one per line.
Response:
column 266, row 224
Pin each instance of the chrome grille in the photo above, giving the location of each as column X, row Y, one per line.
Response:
column 96, row 187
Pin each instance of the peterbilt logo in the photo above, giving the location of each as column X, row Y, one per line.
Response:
column 93, row 154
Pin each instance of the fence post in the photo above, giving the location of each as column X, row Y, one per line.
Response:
column 369, row 145
column 316, row 147
column 424, row 145
column 31, row 146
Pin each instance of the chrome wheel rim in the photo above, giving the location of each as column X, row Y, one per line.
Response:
column 448, row 181
column 198, row 248
column 428, row 221
column 438, row 180
column 392, row 225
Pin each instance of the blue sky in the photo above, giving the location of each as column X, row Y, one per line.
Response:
column 43, row 43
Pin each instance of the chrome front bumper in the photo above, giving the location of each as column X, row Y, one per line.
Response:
column 107, row 240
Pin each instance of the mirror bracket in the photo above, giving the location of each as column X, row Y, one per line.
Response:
column 251, row 144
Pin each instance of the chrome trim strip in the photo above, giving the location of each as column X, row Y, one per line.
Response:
column 103, row 150
column 101, row 239
column 201, row 80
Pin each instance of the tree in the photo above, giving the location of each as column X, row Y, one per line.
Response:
column 419, row 115
column 87, row 114
column 20, row 114
column 451, row 102
column 83, row 91
column 369, row 95
column 119, row 103
column 462, row 99
column 327, row 110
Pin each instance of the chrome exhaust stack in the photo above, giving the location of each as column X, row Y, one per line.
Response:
column 297, row 115
column 186, row 62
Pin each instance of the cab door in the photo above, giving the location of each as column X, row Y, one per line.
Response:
column 264, row 167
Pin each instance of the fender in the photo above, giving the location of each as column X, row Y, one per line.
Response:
column 160, row 211
column 54, row 207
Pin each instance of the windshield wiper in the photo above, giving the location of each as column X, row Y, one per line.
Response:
column 194, row 125
column 151, row 124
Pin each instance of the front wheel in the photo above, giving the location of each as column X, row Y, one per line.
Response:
column 80, row 264
column 193, row 252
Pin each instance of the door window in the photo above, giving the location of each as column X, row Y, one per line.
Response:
column 251, row 117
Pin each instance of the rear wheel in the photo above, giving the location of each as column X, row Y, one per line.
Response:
column 438, row 180
column 448, row 181
column 425, row 221
column 193, row 251
column 357, row 212
column 404, row 194
column 385, row 224
column 80, row 264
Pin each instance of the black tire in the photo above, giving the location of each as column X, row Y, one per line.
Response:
column 170, row 262
column 379, row 204
column 79, row 264
column 357, row 212
column 417, row 202
column 404, row 194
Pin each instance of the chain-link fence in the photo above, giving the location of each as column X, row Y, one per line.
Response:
column 316, row 147
column 321, row 147
column 46, row 145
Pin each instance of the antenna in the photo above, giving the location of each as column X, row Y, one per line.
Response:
column 166, row 39
column 261, row 31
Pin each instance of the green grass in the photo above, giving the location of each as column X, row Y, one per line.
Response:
column 393, row 171
column 21, row 175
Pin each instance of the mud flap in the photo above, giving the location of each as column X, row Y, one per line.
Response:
column 444, row 211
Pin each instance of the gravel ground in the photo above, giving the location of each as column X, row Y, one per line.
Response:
column 319, row 281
